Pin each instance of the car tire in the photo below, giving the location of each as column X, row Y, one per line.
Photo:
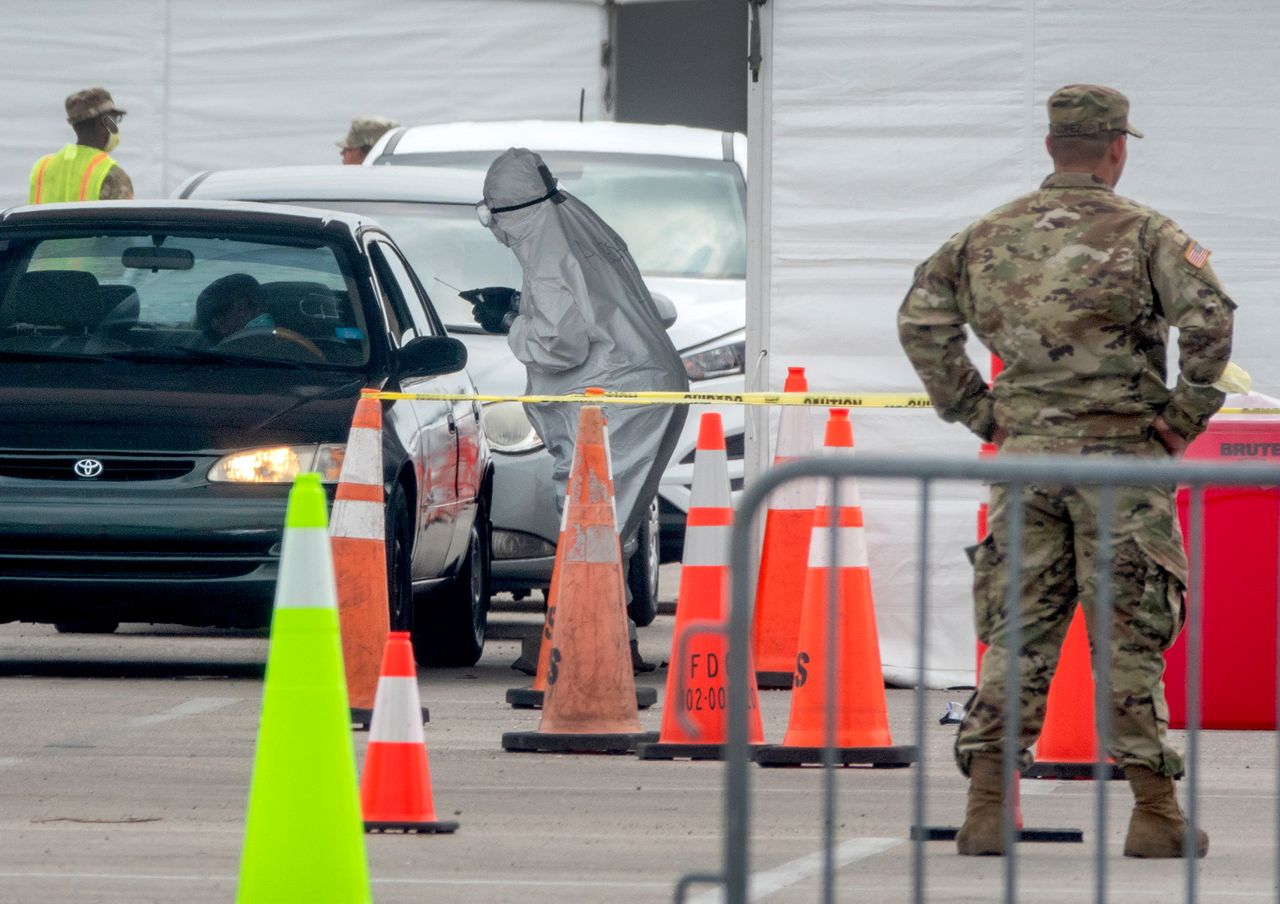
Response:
column 86, row 627
column 399, row 561
column 449, row 627
column 642, row 575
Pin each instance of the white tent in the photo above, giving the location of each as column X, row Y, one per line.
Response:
column 243, row 83
column 878, row 129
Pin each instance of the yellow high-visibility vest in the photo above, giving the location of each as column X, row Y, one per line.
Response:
column 75, row 173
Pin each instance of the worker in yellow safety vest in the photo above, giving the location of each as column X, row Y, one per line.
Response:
column 84, row 171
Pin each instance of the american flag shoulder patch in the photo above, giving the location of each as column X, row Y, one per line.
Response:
column 1196, row 255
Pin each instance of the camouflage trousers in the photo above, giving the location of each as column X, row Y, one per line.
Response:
column 1060, row 540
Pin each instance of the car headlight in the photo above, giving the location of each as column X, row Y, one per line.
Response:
column 507, row 428
column 280, row 464
column 718, row 358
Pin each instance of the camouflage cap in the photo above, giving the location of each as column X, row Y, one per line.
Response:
column 365, row 131
column 1089, row 109
column 88, row 103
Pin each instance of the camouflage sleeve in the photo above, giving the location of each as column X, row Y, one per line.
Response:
column 931, row 329
column 117, row 186
column 1195, row 303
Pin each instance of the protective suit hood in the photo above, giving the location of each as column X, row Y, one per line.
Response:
column 586, row 319
column 517, row 178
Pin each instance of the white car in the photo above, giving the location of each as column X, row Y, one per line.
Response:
column 677, row 196
column 655, row 199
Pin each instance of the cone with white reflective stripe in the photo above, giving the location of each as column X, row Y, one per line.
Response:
column 697, row 684
column 357, row 533
column 303, row 840
column 775, row 626
column 861, row 718
column 590, row 702
column 395, row 788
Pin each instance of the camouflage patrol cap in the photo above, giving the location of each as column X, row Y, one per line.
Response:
column 88, row 103
column 365, row 131
column 1089, row 109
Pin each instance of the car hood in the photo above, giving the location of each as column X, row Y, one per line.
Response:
column 92, row 407
column 493, row 368
column 706, row 309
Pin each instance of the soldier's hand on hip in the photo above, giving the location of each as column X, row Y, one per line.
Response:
column 1168, row 437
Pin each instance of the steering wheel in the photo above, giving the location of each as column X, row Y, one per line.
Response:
column 262, row 336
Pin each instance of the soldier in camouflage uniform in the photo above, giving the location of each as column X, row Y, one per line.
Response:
column 1075, row 288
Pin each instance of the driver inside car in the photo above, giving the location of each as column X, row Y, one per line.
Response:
column 229, row 305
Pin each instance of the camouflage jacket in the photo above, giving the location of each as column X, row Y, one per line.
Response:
column 1074, row 288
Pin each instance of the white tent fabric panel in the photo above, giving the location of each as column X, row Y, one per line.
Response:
column 893, row 124
column 215, row 85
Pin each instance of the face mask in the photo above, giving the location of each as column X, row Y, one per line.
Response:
column 500, row 234
column 113, row 142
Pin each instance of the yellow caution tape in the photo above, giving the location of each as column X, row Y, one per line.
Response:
column 814, row 399
column 821, row 399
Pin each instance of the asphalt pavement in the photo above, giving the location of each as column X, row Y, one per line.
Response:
column 125, row 761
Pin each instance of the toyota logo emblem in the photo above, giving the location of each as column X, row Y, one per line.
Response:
column 88, row 467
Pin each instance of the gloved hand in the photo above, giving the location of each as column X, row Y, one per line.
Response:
column 494, row 307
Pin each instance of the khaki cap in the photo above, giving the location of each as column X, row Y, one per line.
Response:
column 1089, row 109
column 365, row 131
column 88, row 103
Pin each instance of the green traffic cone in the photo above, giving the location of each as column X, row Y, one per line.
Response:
column 304, row 835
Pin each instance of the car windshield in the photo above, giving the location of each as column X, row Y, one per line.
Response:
column 181, row 295
column 446, row 246
column 680, row 217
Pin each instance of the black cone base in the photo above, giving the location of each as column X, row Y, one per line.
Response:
column 1073, row 771
column 546, row 742
column 774, row 681
column 444, row 827
column 660, row 751
column 362, row 718
column 775, row 755
column 948, row 833
column 528, row 698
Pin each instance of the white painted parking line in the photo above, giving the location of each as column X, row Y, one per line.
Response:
column 514, row 882
column 9, row 760
column 761, row 885
column 193, row 707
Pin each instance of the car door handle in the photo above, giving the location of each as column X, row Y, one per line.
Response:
column 453, row 425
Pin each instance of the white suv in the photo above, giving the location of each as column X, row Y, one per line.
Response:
column 677, row 196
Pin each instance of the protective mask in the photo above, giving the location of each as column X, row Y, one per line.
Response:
column 113, row 141
column 501, row 234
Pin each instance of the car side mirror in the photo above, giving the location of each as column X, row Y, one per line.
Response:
column 666, row 310
column 428, row 356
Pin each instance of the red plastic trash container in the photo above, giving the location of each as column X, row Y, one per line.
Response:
column 1238, row 615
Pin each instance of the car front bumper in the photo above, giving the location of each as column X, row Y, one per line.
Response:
column 200, row 557
column 526, row 523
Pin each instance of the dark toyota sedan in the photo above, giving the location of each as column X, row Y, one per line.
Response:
column 167, row 368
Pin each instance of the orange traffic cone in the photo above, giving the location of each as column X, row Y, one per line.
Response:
column 531, row 697
column 1068, row 745
column 861, row 716
column 703, row 600
column 590, row 699
column 395, row 790
column 357, row 536
column 775, row 627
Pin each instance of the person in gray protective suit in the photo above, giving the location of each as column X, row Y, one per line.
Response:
column 583, row 318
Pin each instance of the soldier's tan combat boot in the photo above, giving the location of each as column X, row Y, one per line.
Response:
column 982, row 832
column 1157, row 826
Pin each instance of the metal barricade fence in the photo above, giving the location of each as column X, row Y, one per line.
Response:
column 1103, row 473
